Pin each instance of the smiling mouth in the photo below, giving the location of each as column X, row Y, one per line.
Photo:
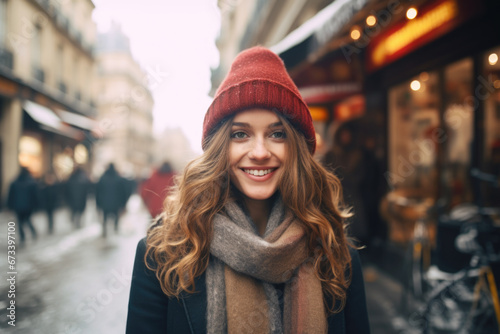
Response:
column 259, row 172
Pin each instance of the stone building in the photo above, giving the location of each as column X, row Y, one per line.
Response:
column 124, row 104
column 46, row 79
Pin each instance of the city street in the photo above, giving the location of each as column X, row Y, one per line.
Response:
column 74, row 281
column 77, row 282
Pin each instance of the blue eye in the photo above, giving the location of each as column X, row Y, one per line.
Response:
column 278, row 134
column 239, row 135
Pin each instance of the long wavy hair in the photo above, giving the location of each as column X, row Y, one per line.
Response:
column 179, row 244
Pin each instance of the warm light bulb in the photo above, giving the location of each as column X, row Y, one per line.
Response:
column 415, row 85
column 411, row 13
column 355, row 34
column 371, row 20
column 493, row 58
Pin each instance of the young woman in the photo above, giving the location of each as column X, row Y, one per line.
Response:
column 253, row 239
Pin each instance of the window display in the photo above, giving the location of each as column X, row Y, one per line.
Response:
column 414, row 135
column 459, row 122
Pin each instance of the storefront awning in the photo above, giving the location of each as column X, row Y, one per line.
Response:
column 49, row 121
column 329, row 92
column 317, row 31
column 77, row 120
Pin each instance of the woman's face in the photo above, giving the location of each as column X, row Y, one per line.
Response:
column 256, row 153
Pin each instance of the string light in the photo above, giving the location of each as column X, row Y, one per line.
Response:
column 371, row 20
column 355, row 33
column 411, row 13
column 415, row 85
column 493, row 59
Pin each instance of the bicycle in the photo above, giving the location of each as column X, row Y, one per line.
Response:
column 467, row 301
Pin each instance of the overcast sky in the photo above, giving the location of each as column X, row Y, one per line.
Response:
column 174, row 41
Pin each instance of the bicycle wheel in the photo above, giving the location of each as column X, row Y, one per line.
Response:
column 464, row 306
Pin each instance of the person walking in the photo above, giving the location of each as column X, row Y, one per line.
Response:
column 77, row 189
column 49, row 197
column 156, row 188
column 112, row 192
column 23, row 200
column 252, row 239
column 357, row 172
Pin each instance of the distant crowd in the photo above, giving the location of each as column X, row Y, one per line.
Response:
column 111, row 192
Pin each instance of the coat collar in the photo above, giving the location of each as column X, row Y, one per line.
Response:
column 195, row 306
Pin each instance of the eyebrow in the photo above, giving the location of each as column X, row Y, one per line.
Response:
column 246, row 125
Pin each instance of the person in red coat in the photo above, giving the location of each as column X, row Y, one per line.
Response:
column 155, row 189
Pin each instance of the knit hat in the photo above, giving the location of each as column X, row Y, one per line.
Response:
column 258, row 79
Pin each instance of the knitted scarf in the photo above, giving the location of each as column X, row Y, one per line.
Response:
column 245, row 271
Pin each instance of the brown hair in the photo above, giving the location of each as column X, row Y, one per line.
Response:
column 180, row 245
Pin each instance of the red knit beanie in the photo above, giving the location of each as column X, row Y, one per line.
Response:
column 258, row 79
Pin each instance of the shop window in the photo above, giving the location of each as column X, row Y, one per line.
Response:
column 30, row 154
column 490, row 93
column 458, row 120
column 414, row 135
column 63, row 163
column 81, row 154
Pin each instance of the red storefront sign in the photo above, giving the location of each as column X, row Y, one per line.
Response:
column 433, row 21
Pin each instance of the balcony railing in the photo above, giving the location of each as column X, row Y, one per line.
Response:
column 64, row 23
column 38, row 73
column 61, row 20
column 62, row 87
column 6, row 58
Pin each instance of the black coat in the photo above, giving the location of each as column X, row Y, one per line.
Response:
column 151, row 311
column 23, row 194
column 112, row 191
column 77, row 189
column 49, row 196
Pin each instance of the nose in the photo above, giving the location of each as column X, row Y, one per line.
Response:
column 259, row 150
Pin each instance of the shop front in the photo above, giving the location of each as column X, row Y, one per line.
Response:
column 38, row 133
column 439, row 78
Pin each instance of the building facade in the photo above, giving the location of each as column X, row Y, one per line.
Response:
column 46, row 86
column 125, row 105
column 248, row 23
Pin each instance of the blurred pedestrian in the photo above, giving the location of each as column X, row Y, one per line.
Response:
column 357, row 170
column 77, row 189
column 23, row 200
column 252, row 238
column 112, row 192
column 130, row 188
column 155, row 189
column 49, row 197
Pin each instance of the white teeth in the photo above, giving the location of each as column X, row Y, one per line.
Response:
column 261, row 172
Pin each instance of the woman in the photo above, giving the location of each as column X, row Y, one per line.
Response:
column 252, row 240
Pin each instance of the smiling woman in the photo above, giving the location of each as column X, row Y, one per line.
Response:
column 253, row 237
